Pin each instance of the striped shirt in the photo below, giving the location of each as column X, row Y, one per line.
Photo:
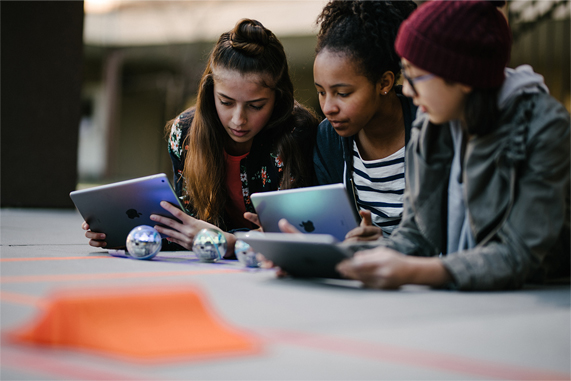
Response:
column 379, row 187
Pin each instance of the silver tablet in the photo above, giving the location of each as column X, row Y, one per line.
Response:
column 300, row 255
column 323, row 209
column 115, row 209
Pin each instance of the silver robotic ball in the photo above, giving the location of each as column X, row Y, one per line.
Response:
column 144, row 242
column 245, row 254
column 209, row 245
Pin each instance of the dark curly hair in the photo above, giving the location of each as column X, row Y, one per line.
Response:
column 365, row 31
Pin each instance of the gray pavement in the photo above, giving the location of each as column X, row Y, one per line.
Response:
column 322, row 330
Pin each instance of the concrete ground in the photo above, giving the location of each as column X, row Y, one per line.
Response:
column 308, row 330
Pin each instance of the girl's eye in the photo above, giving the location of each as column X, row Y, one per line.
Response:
column 321, row 93
column 224, row 103
column 256, row 107
column 344, row 95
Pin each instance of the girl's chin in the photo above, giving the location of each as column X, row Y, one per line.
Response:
column 437, row 120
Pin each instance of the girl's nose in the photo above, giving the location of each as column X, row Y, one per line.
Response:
column 329, row 106
column 238, row 117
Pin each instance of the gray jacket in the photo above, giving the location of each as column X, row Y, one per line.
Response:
column 516, row 189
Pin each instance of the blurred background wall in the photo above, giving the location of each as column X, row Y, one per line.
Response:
column 42, row 62
column 141, row 62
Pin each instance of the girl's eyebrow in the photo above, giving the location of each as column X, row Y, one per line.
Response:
column 335, row 85
column 232, row 99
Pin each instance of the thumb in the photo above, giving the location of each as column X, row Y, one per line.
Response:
column 367, row 219
column 286, row 227
column 252, row 217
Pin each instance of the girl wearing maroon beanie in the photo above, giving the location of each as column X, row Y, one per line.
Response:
column 486, row 204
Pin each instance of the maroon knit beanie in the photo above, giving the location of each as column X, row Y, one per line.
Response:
column 461, row 41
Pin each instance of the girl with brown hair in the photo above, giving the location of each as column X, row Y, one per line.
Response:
column 246, row 134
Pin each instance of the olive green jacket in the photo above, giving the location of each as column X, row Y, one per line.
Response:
column 516, row 188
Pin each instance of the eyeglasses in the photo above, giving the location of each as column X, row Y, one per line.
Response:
column 411, row 81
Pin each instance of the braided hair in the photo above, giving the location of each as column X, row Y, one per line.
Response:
column 365, row 31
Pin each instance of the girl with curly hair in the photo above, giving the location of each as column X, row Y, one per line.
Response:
column 361, row 143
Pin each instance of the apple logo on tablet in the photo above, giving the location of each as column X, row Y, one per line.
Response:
column 307, row 226
column 132, row 214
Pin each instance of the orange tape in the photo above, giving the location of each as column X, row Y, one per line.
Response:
column 86, row 277
column 412, row 357
column 50, row 258
column 13, row 297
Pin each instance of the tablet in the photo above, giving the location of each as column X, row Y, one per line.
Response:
column 300, row 255
column 322, row 209
column 115, row 209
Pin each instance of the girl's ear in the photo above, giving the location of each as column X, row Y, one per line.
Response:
column 386, row 83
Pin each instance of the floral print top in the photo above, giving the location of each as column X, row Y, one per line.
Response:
column 260, row 171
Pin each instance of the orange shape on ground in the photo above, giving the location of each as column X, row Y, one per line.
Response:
column 151, row 324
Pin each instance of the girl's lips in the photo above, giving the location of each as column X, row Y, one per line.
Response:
column 238, row 133
column 337, row 124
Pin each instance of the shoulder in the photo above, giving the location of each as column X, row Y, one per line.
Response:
column 329, row 154
column 329, row 142
column 329, row 145
column 184, row 119
column 532, row 134
column 178, row 131
column 548, row 134
column 525, row 104
column 547, row 111
column 326, row 134
column 541, row 114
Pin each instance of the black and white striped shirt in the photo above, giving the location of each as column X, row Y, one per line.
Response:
column 379, row 187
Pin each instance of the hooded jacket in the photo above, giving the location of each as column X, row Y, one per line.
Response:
column 516, row 192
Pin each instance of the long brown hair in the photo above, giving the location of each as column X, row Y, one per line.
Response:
column 248, row 48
